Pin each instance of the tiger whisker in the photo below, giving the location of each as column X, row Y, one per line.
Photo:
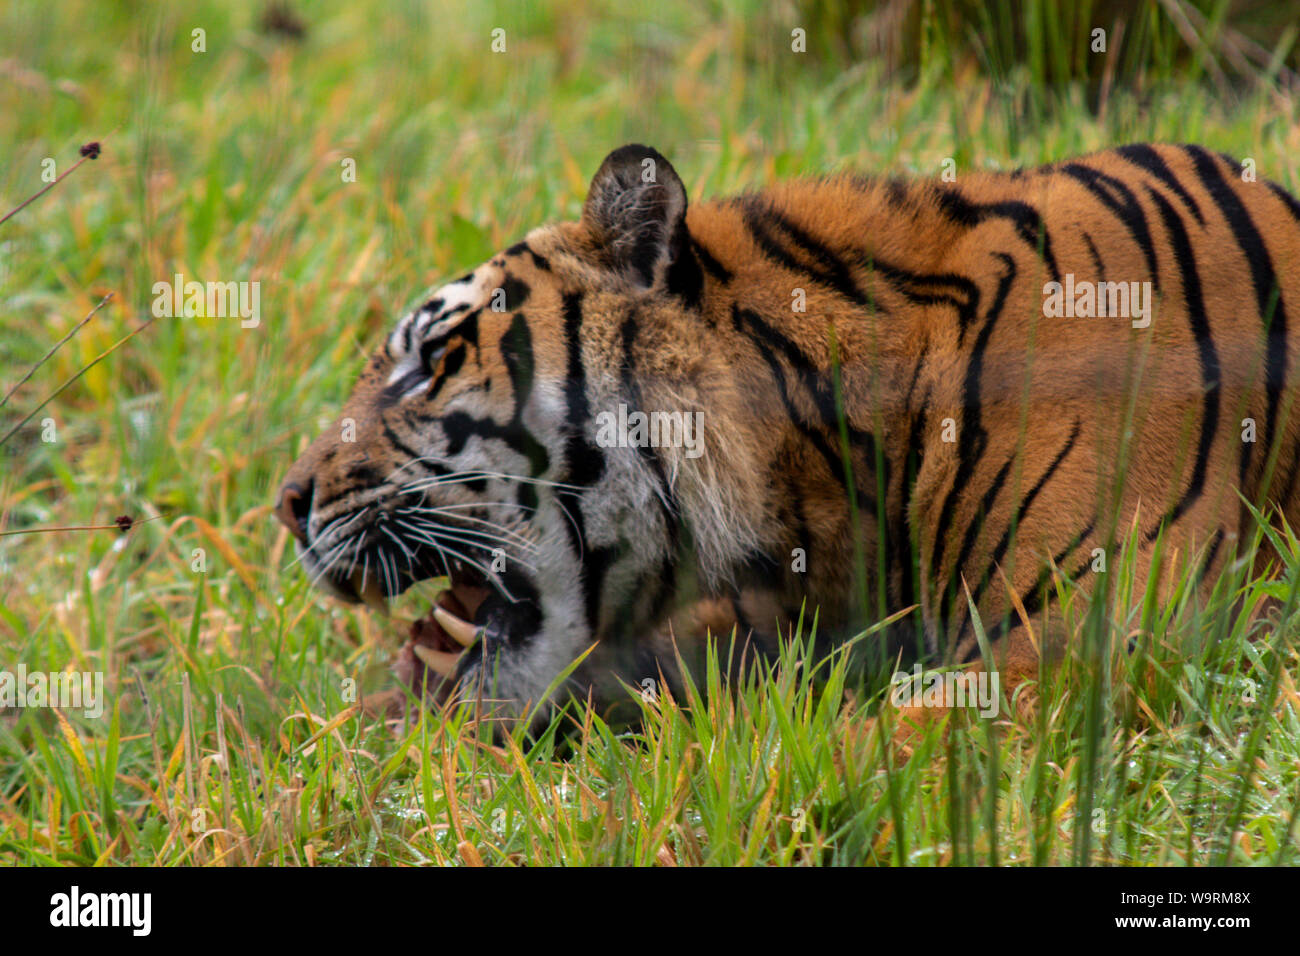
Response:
column 435, row 459
column 432, row 533
column 489, row 575
column 356, row 553
column 487, row 504
column 519, row 539
column 390, row 572
column 327, row 561
column 452, row 512
column 399, row 542
column 439, row 542
column 478, row 541
column 325, row 534
column 457, row 478
column 485, row 547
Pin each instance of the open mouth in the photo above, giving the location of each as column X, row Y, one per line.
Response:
column 440, row 637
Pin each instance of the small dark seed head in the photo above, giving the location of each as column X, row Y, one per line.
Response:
column 91, row 150
column 279, row 18
column 124, row 523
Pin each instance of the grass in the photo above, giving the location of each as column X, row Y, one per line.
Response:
column 235, row 733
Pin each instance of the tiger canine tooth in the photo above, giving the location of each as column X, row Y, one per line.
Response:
column 439, row 661
column 462, row 632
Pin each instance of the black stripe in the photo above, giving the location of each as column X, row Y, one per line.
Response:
column 584, row 463
column 394, row 391
column 452, row 363
column 516, row 292
column 1211, row 373
column 766, row 339
column 1144, row 157
column 802, row 532
column 910, row 285
column 834, row 462
column 1291, row 203
column 466, row 329
column 668, row 505
column 519, row 248
column 898, row 530
column 897, row 193
column 826, row 268
column 685, row 278
column 1208, row 562
column 1098, row 267
column 460, row 427
column 427, row 348
column 711, row 265
column 664, row 583
column 1000, row 550
column 1029, row 225
column 395, row 440
column 1119, row 199
column 516, row 347
column 957, row 208
column 977, row 520
column 973, row 439
column 1265, row 282
column 1033, row 599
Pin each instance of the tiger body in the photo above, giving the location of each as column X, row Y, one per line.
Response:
column 892, row 408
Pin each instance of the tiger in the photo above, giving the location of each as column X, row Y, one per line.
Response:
column 810, row 408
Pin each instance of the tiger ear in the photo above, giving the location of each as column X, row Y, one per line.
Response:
column 636, row 213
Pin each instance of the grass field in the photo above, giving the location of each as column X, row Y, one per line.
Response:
column 234, row 731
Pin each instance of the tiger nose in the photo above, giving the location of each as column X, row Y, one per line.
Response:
column 294, row 508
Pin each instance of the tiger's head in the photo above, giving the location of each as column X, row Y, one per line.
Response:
column 470, row 446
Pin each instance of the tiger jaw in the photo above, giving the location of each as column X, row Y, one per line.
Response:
column 447, row 628
column 466, row 615
column 465, row 629
column 456, row 621
column 379, row 547
column 467, row 589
